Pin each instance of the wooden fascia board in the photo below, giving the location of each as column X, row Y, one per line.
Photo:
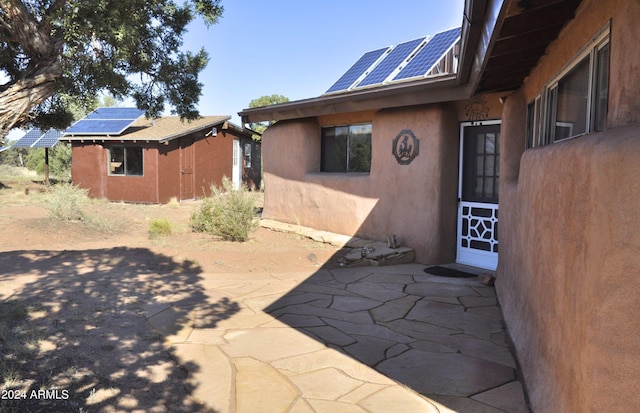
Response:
column 396, row 95
column 495, row 11
column 192, row 130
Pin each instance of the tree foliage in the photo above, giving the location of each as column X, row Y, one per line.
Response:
column 59, row 161
column 57, row 51
column 265, row 100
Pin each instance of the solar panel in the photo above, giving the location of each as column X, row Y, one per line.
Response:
column 391, row 62
column 48, row 140
column 37, row 138
column 356, row 71
column 29, row 138
column 115, row 113
column 105, row 121
column 430, row 54
column 99, row 127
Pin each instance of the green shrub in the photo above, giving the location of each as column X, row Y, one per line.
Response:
column 65, row 201
column 159, row 227
column 228, row 213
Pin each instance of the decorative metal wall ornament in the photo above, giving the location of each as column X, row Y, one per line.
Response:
column 405, row 147
column 477, row 110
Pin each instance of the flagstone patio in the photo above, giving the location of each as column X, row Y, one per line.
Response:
column 367, row 339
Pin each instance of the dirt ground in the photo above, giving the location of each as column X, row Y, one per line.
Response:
column 73, row 332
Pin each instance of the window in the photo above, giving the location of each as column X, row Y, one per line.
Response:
column 533, row 123
column 247, row 155
column 574, row 102
column 125, row 160
column 346, row 148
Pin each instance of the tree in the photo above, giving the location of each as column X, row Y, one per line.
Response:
column 57, row 52
column 265, row 101
column 59, row 160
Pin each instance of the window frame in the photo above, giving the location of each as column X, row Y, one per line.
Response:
column 125, row 160
column 542, row 111
column 247, row 155
column 347, row 148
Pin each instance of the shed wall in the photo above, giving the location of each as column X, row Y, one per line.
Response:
column 161, row 180
column 89, row 170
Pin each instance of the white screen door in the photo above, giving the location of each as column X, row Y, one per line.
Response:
column 477, row 242
column 237, row 159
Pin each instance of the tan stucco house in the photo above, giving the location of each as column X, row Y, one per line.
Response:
column 533, row 139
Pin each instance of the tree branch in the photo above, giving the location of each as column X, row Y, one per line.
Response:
column 24, row 29
column 17, row 100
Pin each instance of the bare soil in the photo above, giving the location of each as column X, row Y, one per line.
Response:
column 73, row 331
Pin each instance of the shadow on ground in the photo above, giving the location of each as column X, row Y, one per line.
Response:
column 442, row 337
column 76, row 322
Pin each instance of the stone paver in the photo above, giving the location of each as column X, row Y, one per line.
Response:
column 365, row 339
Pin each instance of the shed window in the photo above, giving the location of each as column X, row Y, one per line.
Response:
column 346, row 148
column 575, row 101
column 247, row 155
column 125, row 160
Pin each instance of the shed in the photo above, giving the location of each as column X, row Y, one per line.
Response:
column 154, row 160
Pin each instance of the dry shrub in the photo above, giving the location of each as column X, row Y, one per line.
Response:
column 228, row 213
column 65, row 202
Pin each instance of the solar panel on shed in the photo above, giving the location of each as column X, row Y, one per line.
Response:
column 105, row 121
column 359, row 68
column 115, row 113
column 391, row 62
column 430, row 54
column 29, row 138
column 49, row 139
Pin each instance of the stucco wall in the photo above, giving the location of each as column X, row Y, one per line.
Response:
column 569, row 270
column 416, row 202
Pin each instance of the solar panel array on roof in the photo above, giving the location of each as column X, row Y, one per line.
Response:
column 356, row 71
column 412, row 59
column 426, row 58
column 115, row 113
column 391, row 62
column 105, row 121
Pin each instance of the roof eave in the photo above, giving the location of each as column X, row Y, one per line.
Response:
column 481, row 23
column 192, row 130
column 419, row 92
column 123, row 138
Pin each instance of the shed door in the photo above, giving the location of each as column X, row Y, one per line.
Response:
column 237, row 164
column 478, row 193
column 186, row 169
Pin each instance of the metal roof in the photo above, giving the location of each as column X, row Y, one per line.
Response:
column 161, row 130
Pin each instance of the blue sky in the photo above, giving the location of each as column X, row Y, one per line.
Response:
column 299, row 48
